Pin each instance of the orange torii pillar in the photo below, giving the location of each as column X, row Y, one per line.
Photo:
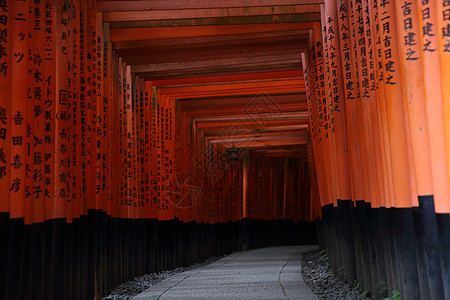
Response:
column 392, row 60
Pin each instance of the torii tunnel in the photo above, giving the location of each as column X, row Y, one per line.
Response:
column 139, row 136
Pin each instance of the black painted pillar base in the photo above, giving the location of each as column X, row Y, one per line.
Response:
column 386, row 249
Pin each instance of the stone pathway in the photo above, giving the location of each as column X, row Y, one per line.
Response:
column 268, row 273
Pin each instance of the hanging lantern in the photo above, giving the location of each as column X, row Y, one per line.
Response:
column 233, row 153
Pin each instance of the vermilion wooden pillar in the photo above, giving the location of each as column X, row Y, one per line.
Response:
column 404, row 193
column 18, row 130
column 5, row 107
column 441, row 22
column 412, row 81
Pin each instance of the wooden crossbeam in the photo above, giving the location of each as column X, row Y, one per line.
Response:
column 110, row 6
column 174, row 14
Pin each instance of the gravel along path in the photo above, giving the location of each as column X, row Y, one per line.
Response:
column 131, row 288
column 316, row 273
column 321, row 280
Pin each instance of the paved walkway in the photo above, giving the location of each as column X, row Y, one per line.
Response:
column 269, row 273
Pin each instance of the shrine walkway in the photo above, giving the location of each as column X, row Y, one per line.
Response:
column 268, row 273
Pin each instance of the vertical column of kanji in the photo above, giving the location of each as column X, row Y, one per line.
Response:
column 148, row 150
column 155, row 151
column 6, row 60
column 386, row 193
column 358, row 46
column 173, row 165
column 107, row 128
column 170, row 135
column 350, row 88
column 318, row 113
column 82, row 114
column 115, row 137
column 167, row 154
column 402, row 185
column 375, row 137
column 18, row 108
column 339, row 127
column 161, row 147
column 144, row 144
column 137, row 141
column 173, row 137
column 142, row 149
column 91, row 110
column 129, row 142
column 327, row 106
column 100, row 116
column 30, row 115
column 122, row 142
column 5, row 133
column 180, row 159
column 134, row 195
column 443, row 46
column 62, row 114
column 372, row 106
column 428, row 41
column 412, row 79
column 37, row 188
column 158, row 152
column 67, row 176
column 190, row 163
column 324, row 116
column 75, row 171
